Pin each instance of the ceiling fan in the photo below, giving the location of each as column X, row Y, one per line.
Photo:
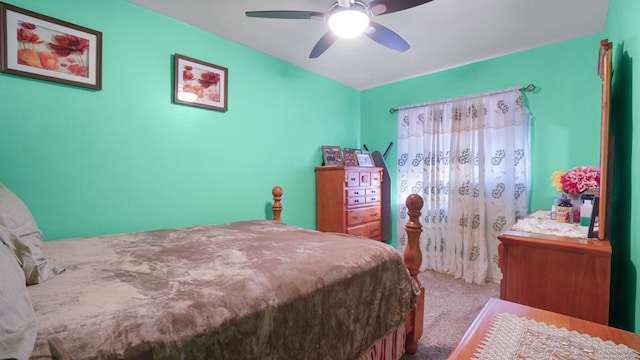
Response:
column 350, row 18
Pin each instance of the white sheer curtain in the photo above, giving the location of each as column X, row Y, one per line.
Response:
column 469, row 159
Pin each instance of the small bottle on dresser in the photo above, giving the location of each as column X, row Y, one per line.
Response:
column 554, row 212
column 565, row 211
column 585, row 213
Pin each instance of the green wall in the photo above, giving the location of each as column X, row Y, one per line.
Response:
column 623, row 30
column 126, row 158
column 565, row 126
column 566, row 108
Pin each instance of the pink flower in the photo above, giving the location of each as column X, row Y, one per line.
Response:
column 26, row 35
column 187, row 74
column 69, row 44
column 579, row 179
column 78, row 70
column 208, row 78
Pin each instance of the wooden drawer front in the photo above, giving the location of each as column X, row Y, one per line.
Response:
column 365, row 179
column 370, row 230
column 373, row 191
column 353, row 178
column 375, row 179
column 372, row 198
column 357, row 192
column 360, row 216
column 356, row 200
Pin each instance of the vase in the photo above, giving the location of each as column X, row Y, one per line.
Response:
column 576, row 202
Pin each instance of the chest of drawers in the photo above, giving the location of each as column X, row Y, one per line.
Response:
column 567, row 275
column 348, row 200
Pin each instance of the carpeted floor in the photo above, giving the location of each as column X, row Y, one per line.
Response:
column 450, row 307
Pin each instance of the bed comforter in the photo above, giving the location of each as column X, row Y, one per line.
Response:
column 243, row 290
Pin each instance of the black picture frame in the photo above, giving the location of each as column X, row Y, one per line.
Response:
column 593, row 223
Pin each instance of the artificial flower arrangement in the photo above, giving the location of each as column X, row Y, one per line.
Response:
column 576, row 180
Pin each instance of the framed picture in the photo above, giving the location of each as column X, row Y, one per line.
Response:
column 365, row 159
column 198, row 83
column 332, row 155
column 593, row 224
column 41, row 47
column 350, row 156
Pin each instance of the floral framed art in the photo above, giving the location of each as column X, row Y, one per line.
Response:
column 41, row 47
column 198, row 83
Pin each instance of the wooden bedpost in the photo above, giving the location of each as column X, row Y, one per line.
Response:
column 413, row 260
column 277, row 206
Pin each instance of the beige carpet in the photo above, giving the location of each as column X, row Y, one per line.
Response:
column 450, row 307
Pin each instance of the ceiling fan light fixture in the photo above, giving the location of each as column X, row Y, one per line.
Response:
column 348, row 23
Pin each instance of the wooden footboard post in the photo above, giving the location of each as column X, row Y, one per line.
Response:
column 413, row 260
column 277, row 206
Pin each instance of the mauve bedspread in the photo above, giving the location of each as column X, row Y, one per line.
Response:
column 243, row 290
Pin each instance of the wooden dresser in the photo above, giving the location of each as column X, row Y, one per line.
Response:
column 348, row 200
column 481, row 326
column 565, row 274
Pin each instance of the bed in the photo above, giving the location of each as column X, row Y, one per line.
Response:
column 256, row 289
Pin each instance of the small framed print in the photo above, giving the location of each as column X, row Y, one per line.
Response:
column 364, row 159
column 350, row 156
column 332, row 155
column 198, row 83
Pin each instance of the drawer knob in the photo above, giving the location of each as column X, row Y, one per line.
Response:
column 357, row 217
column 374, row 214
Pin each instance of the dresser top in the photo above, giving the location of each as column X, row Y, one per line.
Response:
column 348, row 168
column 538, row 228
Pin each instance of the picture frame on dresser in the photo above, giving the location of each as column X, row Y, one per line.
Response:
column 331, row 155
column 365, row 159
column 593, row 223
column 351, row 156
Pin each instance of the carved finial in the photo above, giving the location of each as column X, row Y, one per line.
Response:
column 277, row 206
column 414, row 202
column 412, row 253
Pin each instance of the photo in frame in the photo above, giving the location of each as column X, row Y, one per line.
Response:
column 350, row 156
column 41, row 47
column 198, row 83
column 331, row 155
column 365, row 159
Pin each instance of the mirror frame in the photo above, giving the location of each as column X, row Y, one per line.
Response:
column 606, row 142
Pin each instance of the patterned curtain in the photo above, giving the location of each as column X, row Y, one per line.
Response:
column 469, row 159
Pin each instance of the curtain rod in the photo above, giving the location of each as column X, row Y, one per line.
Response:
column 529, row 88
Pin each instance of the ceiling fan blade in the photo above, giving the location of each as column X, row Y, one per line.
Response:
column 385, row 36
column 380, row 7
column 286, row 14
column 323, row 44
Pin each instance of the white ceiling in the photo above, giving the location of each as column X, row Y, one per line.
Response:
column 443, row 33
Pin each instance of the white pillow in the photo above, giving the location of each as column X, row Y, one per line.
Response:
column 24, row 238
column 18, row 327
